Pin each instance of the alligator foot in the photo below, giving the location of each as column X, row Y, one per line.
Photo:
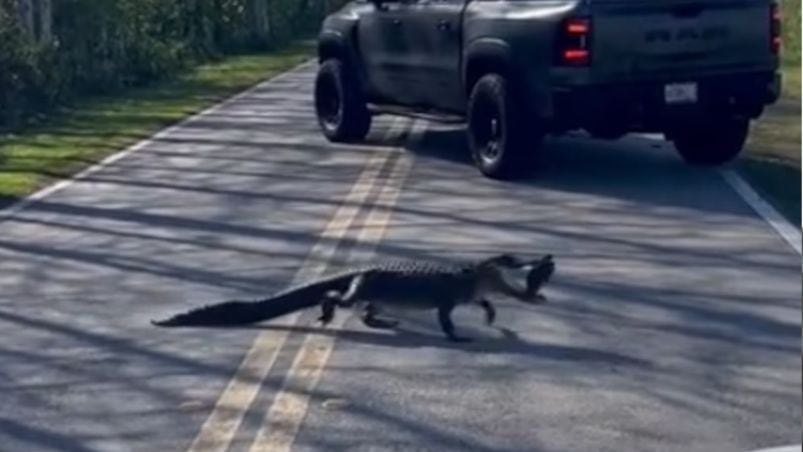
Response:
column 328, row 305
column 325, row 319
column 445, row 319
column 379, row 323
column 536, row 299
column 459, row 339
column 371, row 319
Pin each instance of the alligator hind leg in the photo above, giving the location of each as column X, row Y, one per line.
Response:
column 334, row 298
column 371, row 319
column 445, row 319
column 330, row 301
column 347, row 299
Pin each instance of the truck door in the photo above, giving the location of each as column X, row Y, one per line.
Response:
column 384, row 47
column 435, row 30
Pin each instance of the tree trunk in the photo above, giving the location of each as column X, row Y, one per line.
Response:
column 218, row 32
column 45, row 16
column 25, row 16
column 258, row 10
column 301, row 11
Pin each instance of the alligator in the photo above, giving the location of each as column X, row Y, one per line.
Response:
column 409, row 284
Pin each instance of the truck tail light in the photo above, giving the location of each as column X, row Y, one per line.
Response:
column 775, row 29
column 574, row 42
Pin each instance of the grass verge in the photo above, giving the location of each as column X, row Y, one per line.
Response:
column 94, row 128
column 772, row 161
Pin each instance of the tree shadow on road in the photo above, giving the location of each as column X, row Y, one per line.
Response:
column 508, row 343
column 70, row 385
column 634, row 169
column 40, row 438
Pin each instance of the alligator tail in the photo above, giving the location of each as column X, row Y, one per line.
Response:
column 231, row 313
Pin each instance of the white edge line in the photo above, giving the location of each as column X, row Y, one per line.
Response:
column 18, row 206
column 790, row 233
column 791, row 448
column 787, row 230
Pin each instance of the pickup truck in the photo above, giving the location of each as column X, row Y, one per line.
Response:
column 697, row 71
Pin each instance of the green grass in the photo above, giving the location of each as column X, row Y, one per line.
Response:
column 94, row 128
column 772, row 161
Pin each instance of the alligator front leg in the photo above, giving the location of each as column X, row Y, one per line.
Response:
column 445, row 319
column 490, row 312
column 371, row 319
column 537, row 277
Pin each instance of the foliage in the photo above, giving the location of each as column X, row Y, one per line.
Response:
column 101, row 46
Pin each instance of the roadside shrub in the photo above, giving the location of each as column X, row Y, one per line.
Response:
column 791, row 29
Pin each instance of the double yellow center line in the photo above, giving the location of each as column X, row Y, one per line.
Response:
column 290, row 404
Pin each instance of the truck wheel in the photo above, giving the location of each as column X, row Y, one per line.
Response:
column 497, row 137
column 710, row 143
column 339, row 104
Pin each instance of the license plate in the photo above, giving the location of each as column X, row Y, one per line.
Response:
column 680, row 93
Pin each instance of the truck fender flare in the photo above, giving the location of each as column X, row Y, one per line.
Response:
column 486, row 55
column 331, row 44
column 335, row 44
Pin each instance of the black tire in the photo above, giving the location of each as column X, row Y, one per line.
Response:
column 500, row 144
column 339, row 103
column 710, row 142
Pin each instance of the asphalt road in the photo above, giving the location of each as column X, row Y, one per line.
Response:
column 673, row 324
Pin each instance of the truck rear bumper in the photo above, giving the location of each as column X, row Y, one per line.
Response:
column 643, row 106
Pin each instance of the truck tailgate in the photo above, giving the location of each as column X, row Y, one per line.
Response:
column 664, row 39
